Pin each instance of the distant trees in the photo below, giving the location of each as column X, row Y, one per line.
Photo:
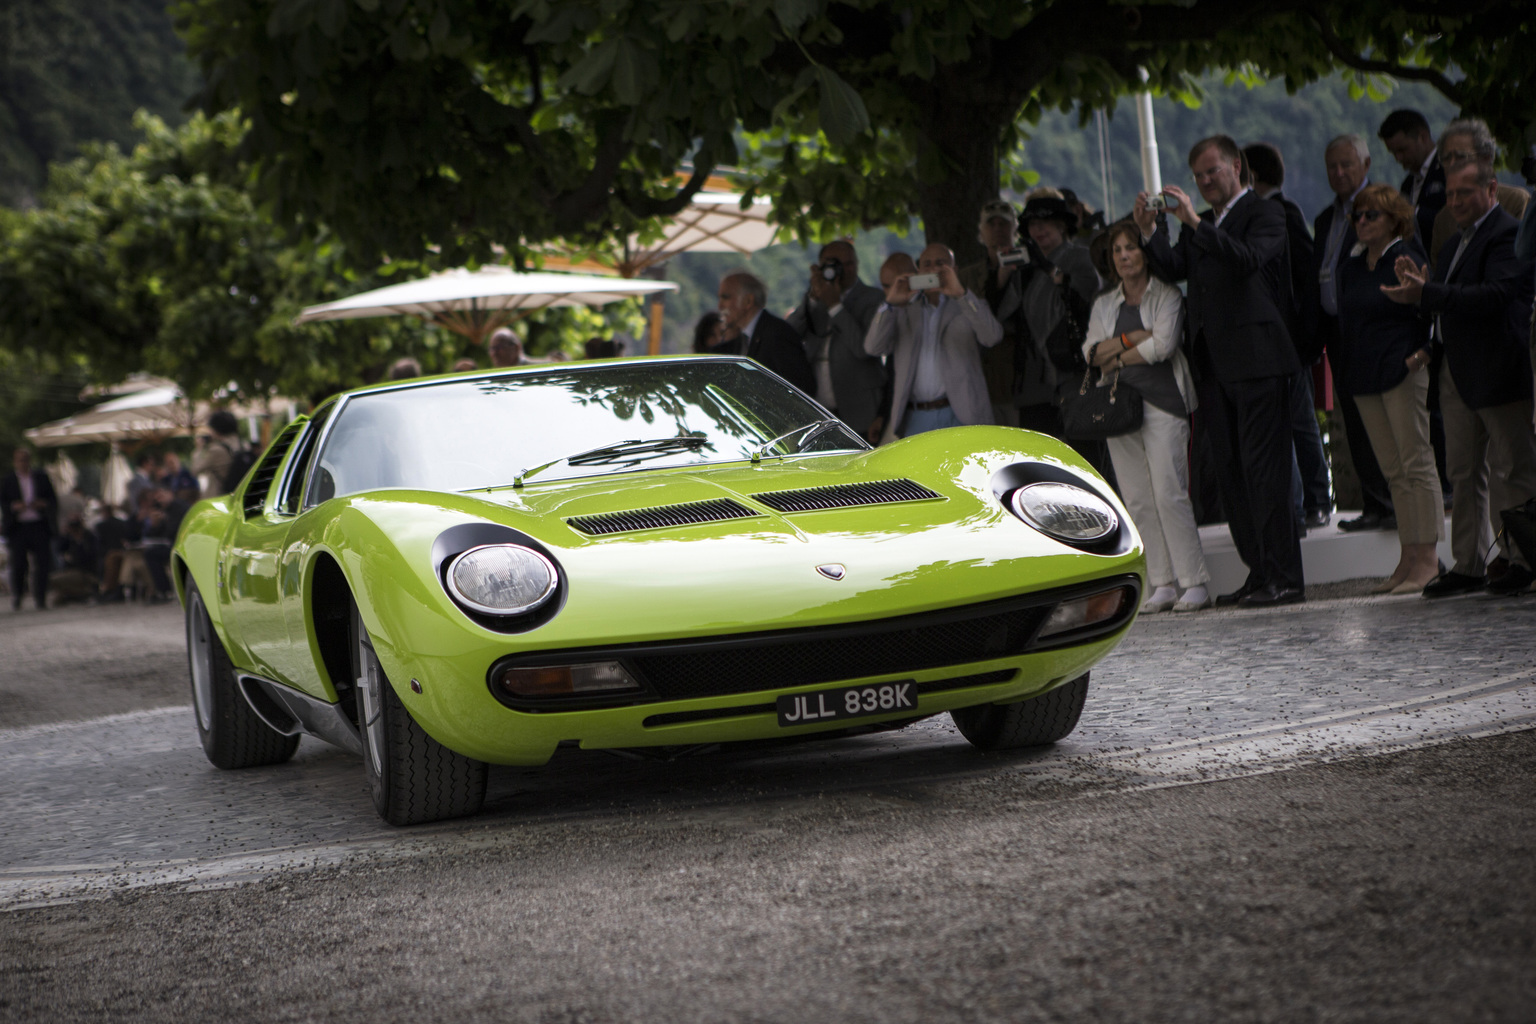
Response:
column 74, row 71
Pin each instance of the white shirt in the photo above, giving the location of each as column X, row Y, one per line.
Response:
column 28, row 496
column 746, row 332
column 1221, row 216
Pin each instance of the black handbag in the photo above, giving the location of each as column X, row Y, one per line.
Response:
column 1520, row 528
column 1093, row 413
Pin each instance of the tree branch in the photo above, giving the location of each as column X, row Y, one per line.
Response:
column 645, row 206
column 573, row 209
column 1346, row 56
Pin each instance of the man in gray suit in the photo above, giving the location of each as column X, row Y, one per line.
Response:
column 832, row 320
column 936, row 336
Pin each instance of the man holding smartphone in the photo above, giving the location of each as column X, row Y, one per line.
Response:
column 934, row 330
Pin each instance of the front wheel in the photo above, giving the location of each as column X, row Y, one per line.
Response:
column 233, row 735
column 413, row 777
column 1026, row 723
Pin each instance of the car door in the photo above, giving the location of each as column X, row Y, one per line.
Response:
column 298, row 659
column 251, row 596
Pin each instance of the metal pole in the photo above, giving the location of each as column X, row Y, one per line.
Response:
column 1151, row 170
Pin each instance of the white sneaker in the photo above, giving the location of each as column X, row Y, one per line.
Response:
column 1194, row 599
column 1161, row 600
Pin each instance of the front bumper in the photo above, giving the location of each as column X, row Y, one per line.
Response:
column 723, row 689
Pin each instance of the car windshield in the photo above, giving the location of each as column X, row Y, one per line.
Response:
column 469, row 433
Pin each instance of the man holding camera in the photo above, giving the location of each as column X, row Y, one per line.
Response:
column 934, row 329
column 1234, row 258
column 832, row 320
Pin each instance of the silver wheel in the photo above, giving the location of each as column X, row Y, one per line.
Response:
column 371, row 700
column 200, row 655
column 233, row 735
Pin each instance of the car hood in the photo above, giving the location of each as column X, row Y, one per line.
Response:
column 769, row 569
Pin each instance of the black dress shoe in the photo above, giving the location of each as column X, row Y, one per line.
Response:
column 1515, row 579
column 1226, row 600
column 1270, row 595
column 1318, row 518
column 1368, row 521
column 1452, row 582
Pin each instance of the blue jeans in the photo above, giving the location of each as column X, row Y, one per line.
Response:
column 919, row 421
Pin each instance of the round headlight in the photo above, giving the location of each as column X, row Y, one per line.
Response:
column 1068, row 513
column 502, row 579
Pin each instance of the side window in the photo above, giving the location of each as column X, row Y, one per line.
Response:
column 298, row 468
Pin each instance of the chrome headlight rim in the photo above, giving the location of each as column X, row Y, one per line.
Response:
column 552, row 582
column 1089, row 501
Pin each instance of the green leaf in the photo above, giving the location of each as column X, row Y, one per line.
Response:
column 591, row 73
column 556, row 30
column 634, row 73
column 439, row 29
column 843, row 115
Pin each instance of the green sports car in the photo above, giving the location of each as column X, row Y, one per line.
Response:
column 454, row 572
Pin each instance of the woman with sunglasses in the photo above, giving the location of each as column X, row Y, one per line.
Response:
column 1383, row 360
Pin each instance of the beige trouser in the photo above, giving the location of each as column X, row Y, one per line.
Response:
column 1152, row 467
column 1490, row 456
column 1397, row 422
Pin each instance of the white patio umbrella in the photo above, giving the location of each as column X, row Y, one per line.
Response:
column 151, row 414
column 475, row 303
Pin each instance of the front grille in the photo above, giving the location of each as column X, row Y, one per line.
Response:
column 751, row 662
column 871, row 649
column 815, row 499
column 742, row 710
column 662, row 516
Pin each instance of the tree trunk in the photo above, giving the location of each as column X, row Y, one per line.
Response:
column 966, row 147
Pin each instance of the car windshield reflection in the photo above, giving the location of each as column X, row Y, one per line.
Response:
column 472, row 433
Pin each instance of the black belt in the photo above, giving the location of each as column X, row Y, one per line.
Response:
column 937, row 403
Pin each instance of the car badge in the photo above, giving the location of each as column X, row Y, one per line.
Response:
column 832, row 571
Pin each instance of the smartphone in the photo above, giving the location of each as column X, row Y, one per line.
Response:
column 922, row 282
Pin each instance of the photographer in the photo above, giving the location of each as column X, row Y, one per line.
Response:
column 831, row 321
column 996, row 280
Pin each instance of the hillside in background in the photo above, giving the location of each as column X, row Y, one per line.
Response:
column 74, row 71
column 1066, row 155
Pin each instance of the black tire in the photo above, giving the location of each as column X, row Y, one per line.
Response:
column 1026, row 723
column 233, row 735
column 413, row 777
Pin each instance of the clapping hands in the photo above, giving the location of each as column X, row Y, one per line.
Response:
column 1410, row 282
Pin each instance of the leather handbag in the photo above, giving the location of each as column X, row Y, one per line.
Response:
column 1093, row 413
column 1520, row 528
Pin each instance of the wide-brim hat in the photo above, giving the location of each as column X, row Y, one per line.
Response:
column 1051, row 208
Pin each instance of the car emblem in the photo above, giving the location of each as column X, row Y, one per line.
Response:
column 832, row 571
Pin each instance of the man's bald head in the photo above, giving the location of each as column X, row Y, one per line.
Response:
column 934, row 256
column 895, row 265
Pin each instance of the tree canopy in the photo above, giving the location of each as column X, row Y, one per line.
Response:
column 407, row 124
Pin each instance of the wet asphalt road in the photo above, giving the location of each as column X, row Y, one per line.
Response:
column 1361, row 848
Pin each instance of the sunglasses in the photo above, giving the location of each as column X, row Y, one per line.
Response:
column 1367, row 215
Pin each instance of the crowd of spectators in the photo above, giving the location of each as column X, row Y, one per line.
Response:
column 69, row 547
column 1418, row 297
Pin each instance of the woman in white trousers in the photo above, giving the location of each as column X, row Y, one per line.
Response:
column 1134, row 330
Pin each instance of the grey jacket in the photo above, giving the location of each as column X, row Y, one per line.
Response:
column 858, row 379
column 965, row 324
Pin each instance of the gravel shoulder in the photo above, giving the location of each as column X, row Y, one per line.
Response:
column 1392, row 888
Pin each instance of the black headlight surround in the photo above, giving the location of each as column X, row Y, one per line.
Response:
column 1021, row 474
column 456, row 540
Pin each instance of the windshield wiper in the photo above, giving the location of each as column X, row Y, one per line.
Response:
column 810, row 430
column 627, row 453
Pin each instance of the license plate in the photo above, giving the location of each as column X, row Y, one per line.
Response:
column 847, row 702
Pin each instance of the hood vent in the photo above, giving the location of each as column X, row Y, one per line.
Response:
column 662, row 516
column 815, row 499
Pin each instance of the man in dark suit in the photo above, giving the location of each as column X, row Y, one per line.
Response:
column 832, row 321
column 28, row 508
column 1348, row 162
column 752, row 331
column 1267, row 169
column 1406, row 135
column 1234, row 258
column 1480, row 298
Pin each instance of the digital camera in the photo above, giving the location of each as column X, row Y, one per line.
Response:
column 1014, row 258
column 832, row 269
column 923, row 282
column 1162, row 202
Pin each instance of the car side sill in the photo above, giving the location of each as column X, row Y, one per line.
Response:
column 291, row 712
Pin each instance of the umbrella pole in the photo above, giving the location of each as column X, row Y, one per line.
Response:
column 658, row 312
